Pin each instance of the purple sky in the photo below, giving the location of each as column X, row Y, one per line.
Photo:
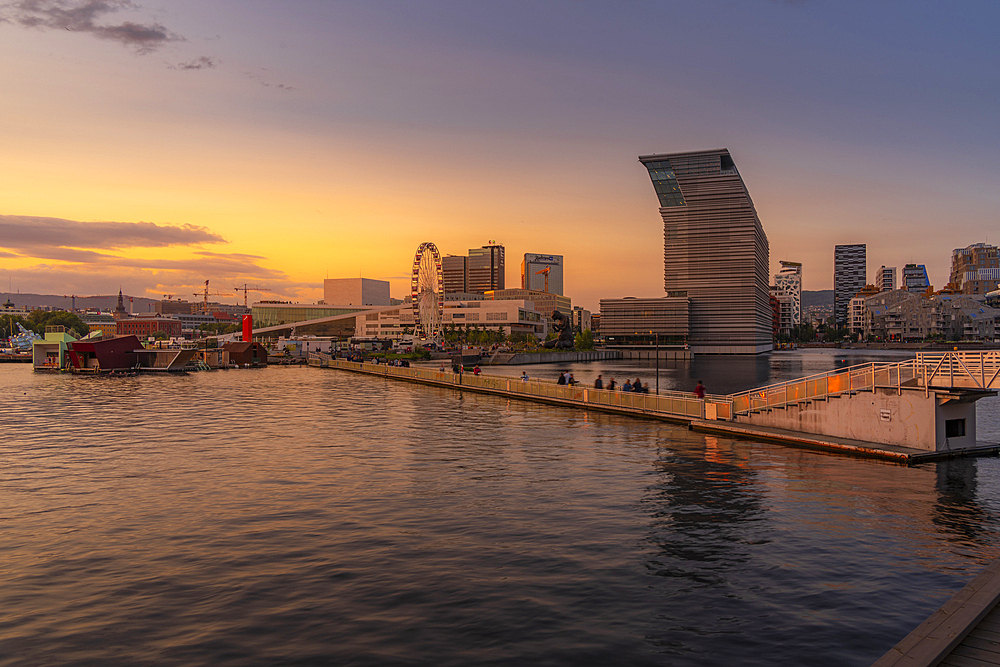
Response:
column 291, row 141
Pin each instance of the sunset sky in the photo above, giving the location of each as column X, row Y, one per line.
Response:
column 155, row 144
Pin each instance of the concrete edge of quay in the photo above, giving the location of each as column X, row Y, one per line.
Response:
column 856, row 448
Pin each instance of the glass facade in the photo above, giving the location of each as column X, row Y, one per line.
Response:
column 665, row 183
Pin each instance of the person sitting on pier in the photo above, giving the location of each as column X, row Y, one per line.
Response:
column 475, row 370
column 598, row 383
column 627, row 386
column 638, row 388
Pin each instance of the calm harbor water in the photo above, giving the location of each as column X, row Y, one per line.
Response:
column 306, row 516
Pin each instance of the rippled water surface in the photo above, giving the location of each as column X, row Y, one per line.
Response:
column 306, row 516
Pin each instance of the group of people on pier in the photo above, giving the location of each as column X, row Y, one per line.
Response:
column 566, row 378
column 628, row 385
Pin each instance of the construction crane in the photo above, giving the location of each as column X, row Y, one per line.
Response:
column 205, row 294
column 545, row 271
column 246, row 288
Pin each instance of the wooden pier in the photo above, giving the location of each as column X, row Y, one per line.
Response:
column 964, row 632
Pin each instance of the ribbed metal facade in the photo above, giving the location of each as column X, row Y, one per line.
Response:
column 631, row 321
column 715, row 251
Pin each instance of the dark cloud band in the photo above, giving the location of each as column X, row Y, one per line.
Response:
column 36, row 236
column 87, row 16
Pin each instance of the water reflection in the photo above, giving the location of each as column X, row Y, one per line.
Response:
column 958, row 513
column 701, row 508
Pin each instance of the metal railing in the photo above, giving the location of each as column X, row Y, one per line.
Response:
column 670, row 404
column 863, row 377
column 941, row 370
column 965, row 370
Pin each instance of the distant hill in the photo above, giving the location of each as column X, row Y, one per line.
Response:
column 104, row 302
column 823, row 297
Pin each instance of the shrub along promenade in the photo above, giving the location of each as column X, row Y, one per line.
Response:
column 714, row 414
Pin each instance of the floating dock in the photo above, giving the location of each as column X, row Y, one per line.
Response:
column 887, row 400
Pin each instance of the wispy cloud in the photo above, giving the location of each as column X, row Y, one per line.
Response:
column 41, row 237
column 88, row 16
column 155, row 282
column 94, row 257
column 262, row 80
column 204, row 62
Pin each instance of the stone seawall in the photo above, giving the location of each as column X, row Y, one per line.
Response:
column 554, row 357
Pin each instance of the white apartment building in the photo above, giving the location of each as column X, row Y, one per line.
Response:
column 513, row 316
column 788, row 282
column 885, row 279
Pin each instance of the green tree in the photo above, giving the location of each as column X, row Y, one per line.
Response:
column 39, row 319
column 218, row 328
column 584, row 340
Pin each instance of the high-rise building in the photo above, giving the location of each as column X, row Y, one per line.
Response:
column 542, row 273
column 975, row 269
column 849, row 270
column 856, row 309
column 454, row 271
column 355, row 292
column 485, row 268
column 788, row 282
column 914, row 278
column 885, row 279
column 715, row 251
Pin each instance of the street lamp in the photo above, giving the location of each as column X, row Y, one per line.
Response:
column 657, row 363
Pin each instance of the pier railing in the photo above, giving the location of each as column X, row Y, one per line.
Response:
column 863, row 377
column 940, row 370
column 966, row 370
column 668, row 404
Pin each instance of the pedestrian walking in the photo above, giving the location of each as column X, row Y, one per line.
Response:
column 611, row 384
column 699, row 390
column 598, row 383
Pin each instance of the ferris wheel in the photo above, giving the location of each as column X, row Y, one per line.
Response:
column 427, row 291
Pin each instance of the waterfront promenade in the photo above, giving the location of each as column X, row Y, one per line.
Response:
column 714, row 414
